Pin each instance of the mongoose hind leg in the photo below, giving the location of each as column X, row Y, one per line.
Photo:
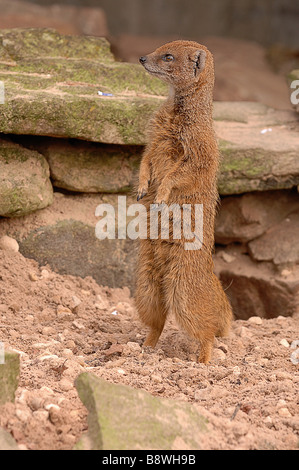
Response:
column 148, row 296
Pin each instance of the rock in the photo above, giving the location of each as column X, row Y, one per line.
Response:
column 90, row 167
column 71, row 247
column 9, row 377
column 284, row 343
column 66, row 19
column 243, row 218
column 7, row 442
column 24, row 180
column 257, row 289
column 54, row 81
column 122, row 418
column 279, row 244
column 8, row 243
column 253, row 160
column 255, row 320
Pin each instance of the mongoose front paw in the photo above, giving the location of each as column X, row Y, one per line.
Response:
column 141, row 193
column 161, row 198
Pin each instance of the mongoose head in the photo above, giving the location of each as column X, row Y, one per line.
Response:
column 180, row 63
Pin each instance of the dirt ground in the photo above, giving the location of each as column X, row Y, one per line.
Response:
column 63, row 325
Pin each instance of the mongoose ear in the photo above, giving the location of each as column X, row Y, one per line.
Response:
column 199, row 60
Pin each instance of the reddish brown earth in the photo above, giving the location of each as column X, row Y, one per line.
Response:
column 63, row 325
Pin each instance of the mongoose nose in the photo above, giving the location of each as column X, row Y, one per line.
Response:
column 142, row 60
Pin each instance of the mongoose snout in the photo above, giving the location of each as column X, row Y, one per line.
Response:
column 179, row 167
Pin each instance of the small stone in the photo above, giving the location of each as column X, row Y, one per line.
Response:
column 23, row 414
column 121, row 371
column 156, row 378
column 227, row 257
column 48, row 357
column 219, row 355
column 64, row 313
column 9, row 244
column 75, row 301
column 284, row 412
column 35, row 403
column 268, row 421
column 78, row 325
column 67, row 353
column 33, row 277
column 236, row 370
column 243, row 332
column 65, row 385
column 48, row 330
column 45, row 274
column 55, row 415
column 41, row 415
column 284, row 343
column 255, row 320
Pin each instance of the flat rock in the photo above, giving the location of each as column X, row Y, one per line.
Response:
column 9, row 377
column 122, row 418
column 279, row 244
column 91, row 167
column 71, row 247
column 259, row 147
column 243, row 218
column 52, row 83
column 7, row 442
column 24, row 180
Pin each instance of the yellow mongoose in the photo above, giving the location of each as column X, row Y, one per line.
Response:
column 180, row 165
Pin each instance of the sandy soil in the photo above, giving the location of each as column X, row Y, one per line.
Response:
column 63, row 325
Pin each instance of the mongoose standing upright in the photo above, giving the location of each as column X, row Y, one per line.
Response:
column 179, row 166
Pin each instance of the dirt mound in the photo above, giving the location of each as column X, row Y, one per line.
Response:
column 63, row 325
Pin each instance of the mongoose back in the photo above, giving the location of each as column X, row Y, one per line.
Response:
column 179, row 166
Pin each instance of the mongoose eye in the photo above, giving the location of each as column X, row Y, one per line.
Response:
column 168, row 57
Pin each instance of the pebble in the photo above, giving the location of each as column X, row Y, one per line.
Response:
column 227, row 257
column 284, row 412
column 236, row 370
column 219, row 355
column 9, row 244
column 284, row 343
column 48, row 330
column 33, row 277
column 65, row 385
column 243, row 332
column 78, row 325
column 75, row 301
column 45, row 274
column 255, row 320
column 23, row 414
column 67, row 353
column 41, row 415
column 64, row 312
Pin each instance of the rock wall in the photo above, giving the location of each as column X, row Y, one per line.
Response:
column 64, row 149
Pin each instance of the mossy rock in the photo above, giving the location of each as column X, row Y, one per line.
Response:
column 52, row 82
column 122, row 418
column 71, row 247
column 9, row 376
column 24, row 180
column 89, row 167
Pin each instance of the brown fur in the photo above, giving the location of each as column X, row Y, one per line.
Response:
column 180, row 165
